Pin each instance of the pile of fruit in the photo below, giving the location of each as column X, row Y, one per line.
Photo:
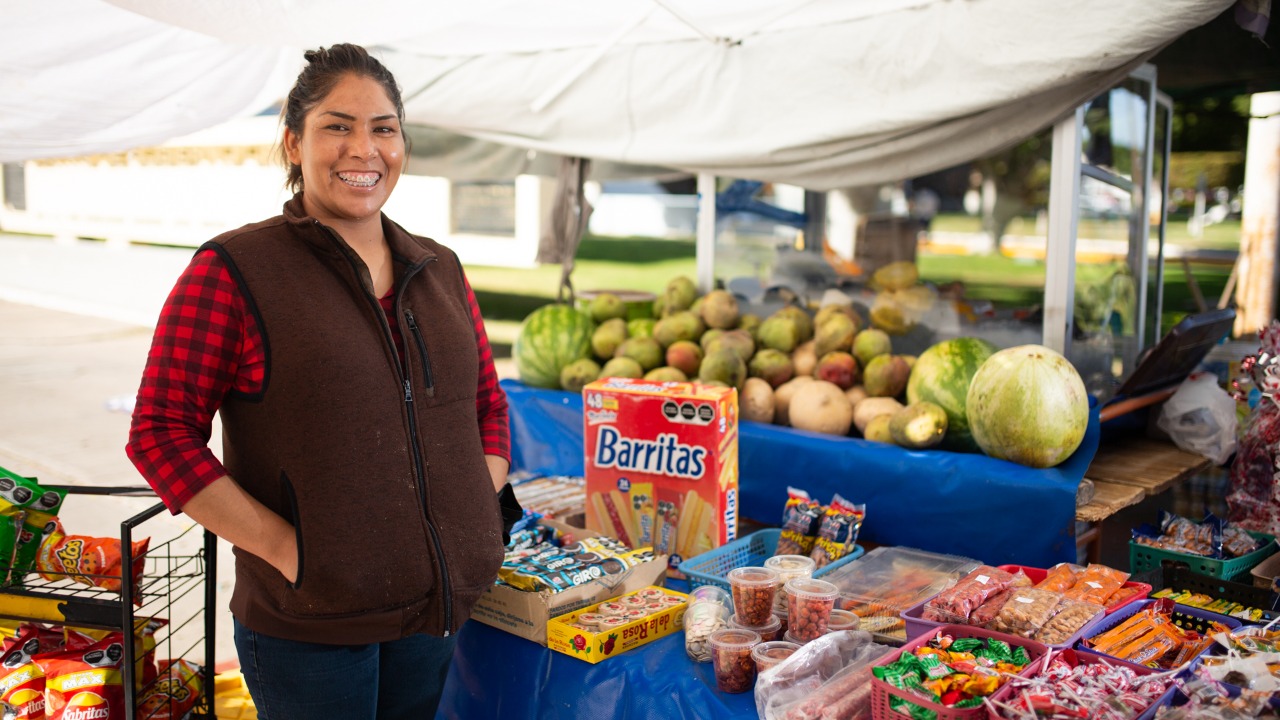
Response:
column 830, row 372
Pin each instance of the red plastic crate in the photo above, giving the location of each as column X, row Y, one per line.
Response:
column 882, row 691
column 1036, row 575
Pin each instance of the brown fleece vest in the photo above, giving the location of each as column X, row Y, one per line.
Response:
column 378, row 464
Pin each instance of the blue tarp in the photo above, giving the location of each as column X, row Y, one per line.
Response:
column 972, row 505
column 497, row 675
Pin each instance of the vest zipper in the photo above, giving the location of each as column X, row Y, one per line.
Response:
column 422, row 347
column 420, row 477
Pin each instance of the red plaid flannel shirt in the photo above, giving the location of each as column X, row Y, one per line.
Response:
column 207, row 344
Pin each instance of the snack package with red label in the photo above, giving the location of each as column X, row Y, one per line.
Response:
column 21, row 681
column 961, row 599
column 85, row 683
column 838, row 531
column 176, row 691
column 144, row 646
column 89, row 560
column 801, row 519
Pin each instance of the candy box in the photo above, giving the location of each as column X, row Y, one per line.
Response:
column 568, row 635
column 526, row 614
column 661, row 465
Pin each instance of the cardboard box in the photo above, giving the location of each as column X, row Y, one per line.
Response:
column 1265, row 572
column 661, row 465
column 524, row 613
column 565, row 636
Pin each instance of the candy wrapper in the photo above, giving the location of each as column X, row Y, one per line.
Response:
column 838, row 531
column 1065, row 686
column 1253, row 500
column 801, row 519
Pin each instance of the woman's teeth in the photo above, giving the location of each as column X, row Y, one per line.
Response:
column 359, row 179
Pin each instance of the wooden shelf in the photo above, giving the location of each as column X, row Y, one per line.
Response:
column 1152, row 465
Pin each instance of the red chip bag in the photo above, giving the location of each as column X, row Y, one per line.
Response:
column 89, row 560
column 176, row 691
column 21, row 681
column 85, row 683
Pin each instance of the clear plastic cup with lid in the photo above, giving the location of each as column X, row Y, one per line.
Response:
column 770, row 631
column 753, row 592
column 791, row 638
column 789, row 567
column 768, row 654
column 731, row 657
column 843, row 620
column 711, row 593
column 809, row 607
column 700, row 621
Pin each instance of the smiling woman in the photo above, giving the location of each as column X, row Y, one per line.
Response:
column 345, row 357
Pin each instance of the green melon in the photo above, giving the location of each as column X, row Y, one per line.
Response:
column 941, row 376
column 550, row 338
column 1027, row 404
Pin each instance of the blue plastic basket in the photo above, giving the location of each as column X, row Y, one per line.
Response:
column 712, row 567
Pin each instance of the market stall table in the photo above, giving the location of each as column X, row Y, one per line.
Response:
column 496, row 674
column 962, row 504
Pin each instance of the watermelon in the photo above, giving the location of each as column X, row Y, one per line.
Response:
column 941, row 376
column 550, row 338
column 1028, row 404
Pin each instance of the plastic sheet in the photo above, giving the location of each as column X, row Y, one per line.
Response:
column 933, row 500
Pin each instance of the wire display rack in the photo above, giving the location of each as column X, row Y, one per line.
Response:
column 177, row 585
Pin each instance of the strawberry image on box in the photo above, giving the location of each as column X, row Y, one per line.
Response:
column 662, row 465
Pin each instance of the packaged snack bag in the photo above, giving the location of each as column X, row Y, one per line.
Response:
column 801, row 519
column 1255, row 484
column 38, row 520
column 85, row 683
column 176, row 692
column 1097, row 584
column 88, row 560
column 1060, row 577
column 838, row 531
column 15, row 498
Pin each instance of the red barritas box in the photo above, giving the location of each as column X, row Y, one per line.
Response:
column 662, row 464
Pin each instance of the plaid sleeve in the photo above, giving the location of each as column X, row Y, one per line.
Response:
column 491, row 401
column 195, row 359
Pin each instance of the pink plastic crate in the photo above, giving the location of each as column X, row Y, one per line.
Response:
column 882, row 691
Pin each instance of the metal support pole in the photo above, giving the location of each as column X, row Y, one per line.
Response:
column 706, row 242
column 1064, row 217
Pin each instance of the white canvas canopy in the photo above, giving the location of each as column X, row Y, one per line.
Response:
column 818, row 93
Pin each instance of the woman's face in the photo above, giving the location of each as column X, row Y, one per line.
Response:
column 351, row 152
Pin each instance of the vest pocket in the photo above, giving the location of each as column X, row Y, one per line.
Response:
column 360, row 550
column 296, row 519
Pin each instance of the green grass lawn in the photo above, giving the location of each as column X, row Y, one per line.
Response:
column 1222, row 236
column 507, row 295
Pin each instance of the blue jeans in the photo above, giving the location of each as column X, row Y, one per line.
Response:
column 291, row 680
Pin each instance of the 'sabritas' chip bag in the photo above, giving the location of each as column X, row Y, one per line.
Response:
column 85, row 684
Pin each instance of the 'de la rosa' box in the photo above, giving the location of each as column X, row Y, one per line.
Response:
column 572, row 635
column 661, row 464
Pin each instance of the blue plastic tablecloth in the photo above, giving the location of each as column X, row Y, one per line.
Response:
column 499, row 675
column 971, row 505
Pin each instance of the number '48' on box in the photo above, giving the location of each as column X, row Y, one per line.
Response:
column 662, row 464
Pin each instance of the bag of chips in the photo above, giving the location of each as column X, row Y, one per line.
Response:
column 89, row 560
column 801, row 518
column 838, row 531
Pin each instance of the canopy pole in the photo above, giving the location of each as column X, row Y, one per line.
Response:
column 1064, row 217
column 706, row 242
column 1260, row 224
